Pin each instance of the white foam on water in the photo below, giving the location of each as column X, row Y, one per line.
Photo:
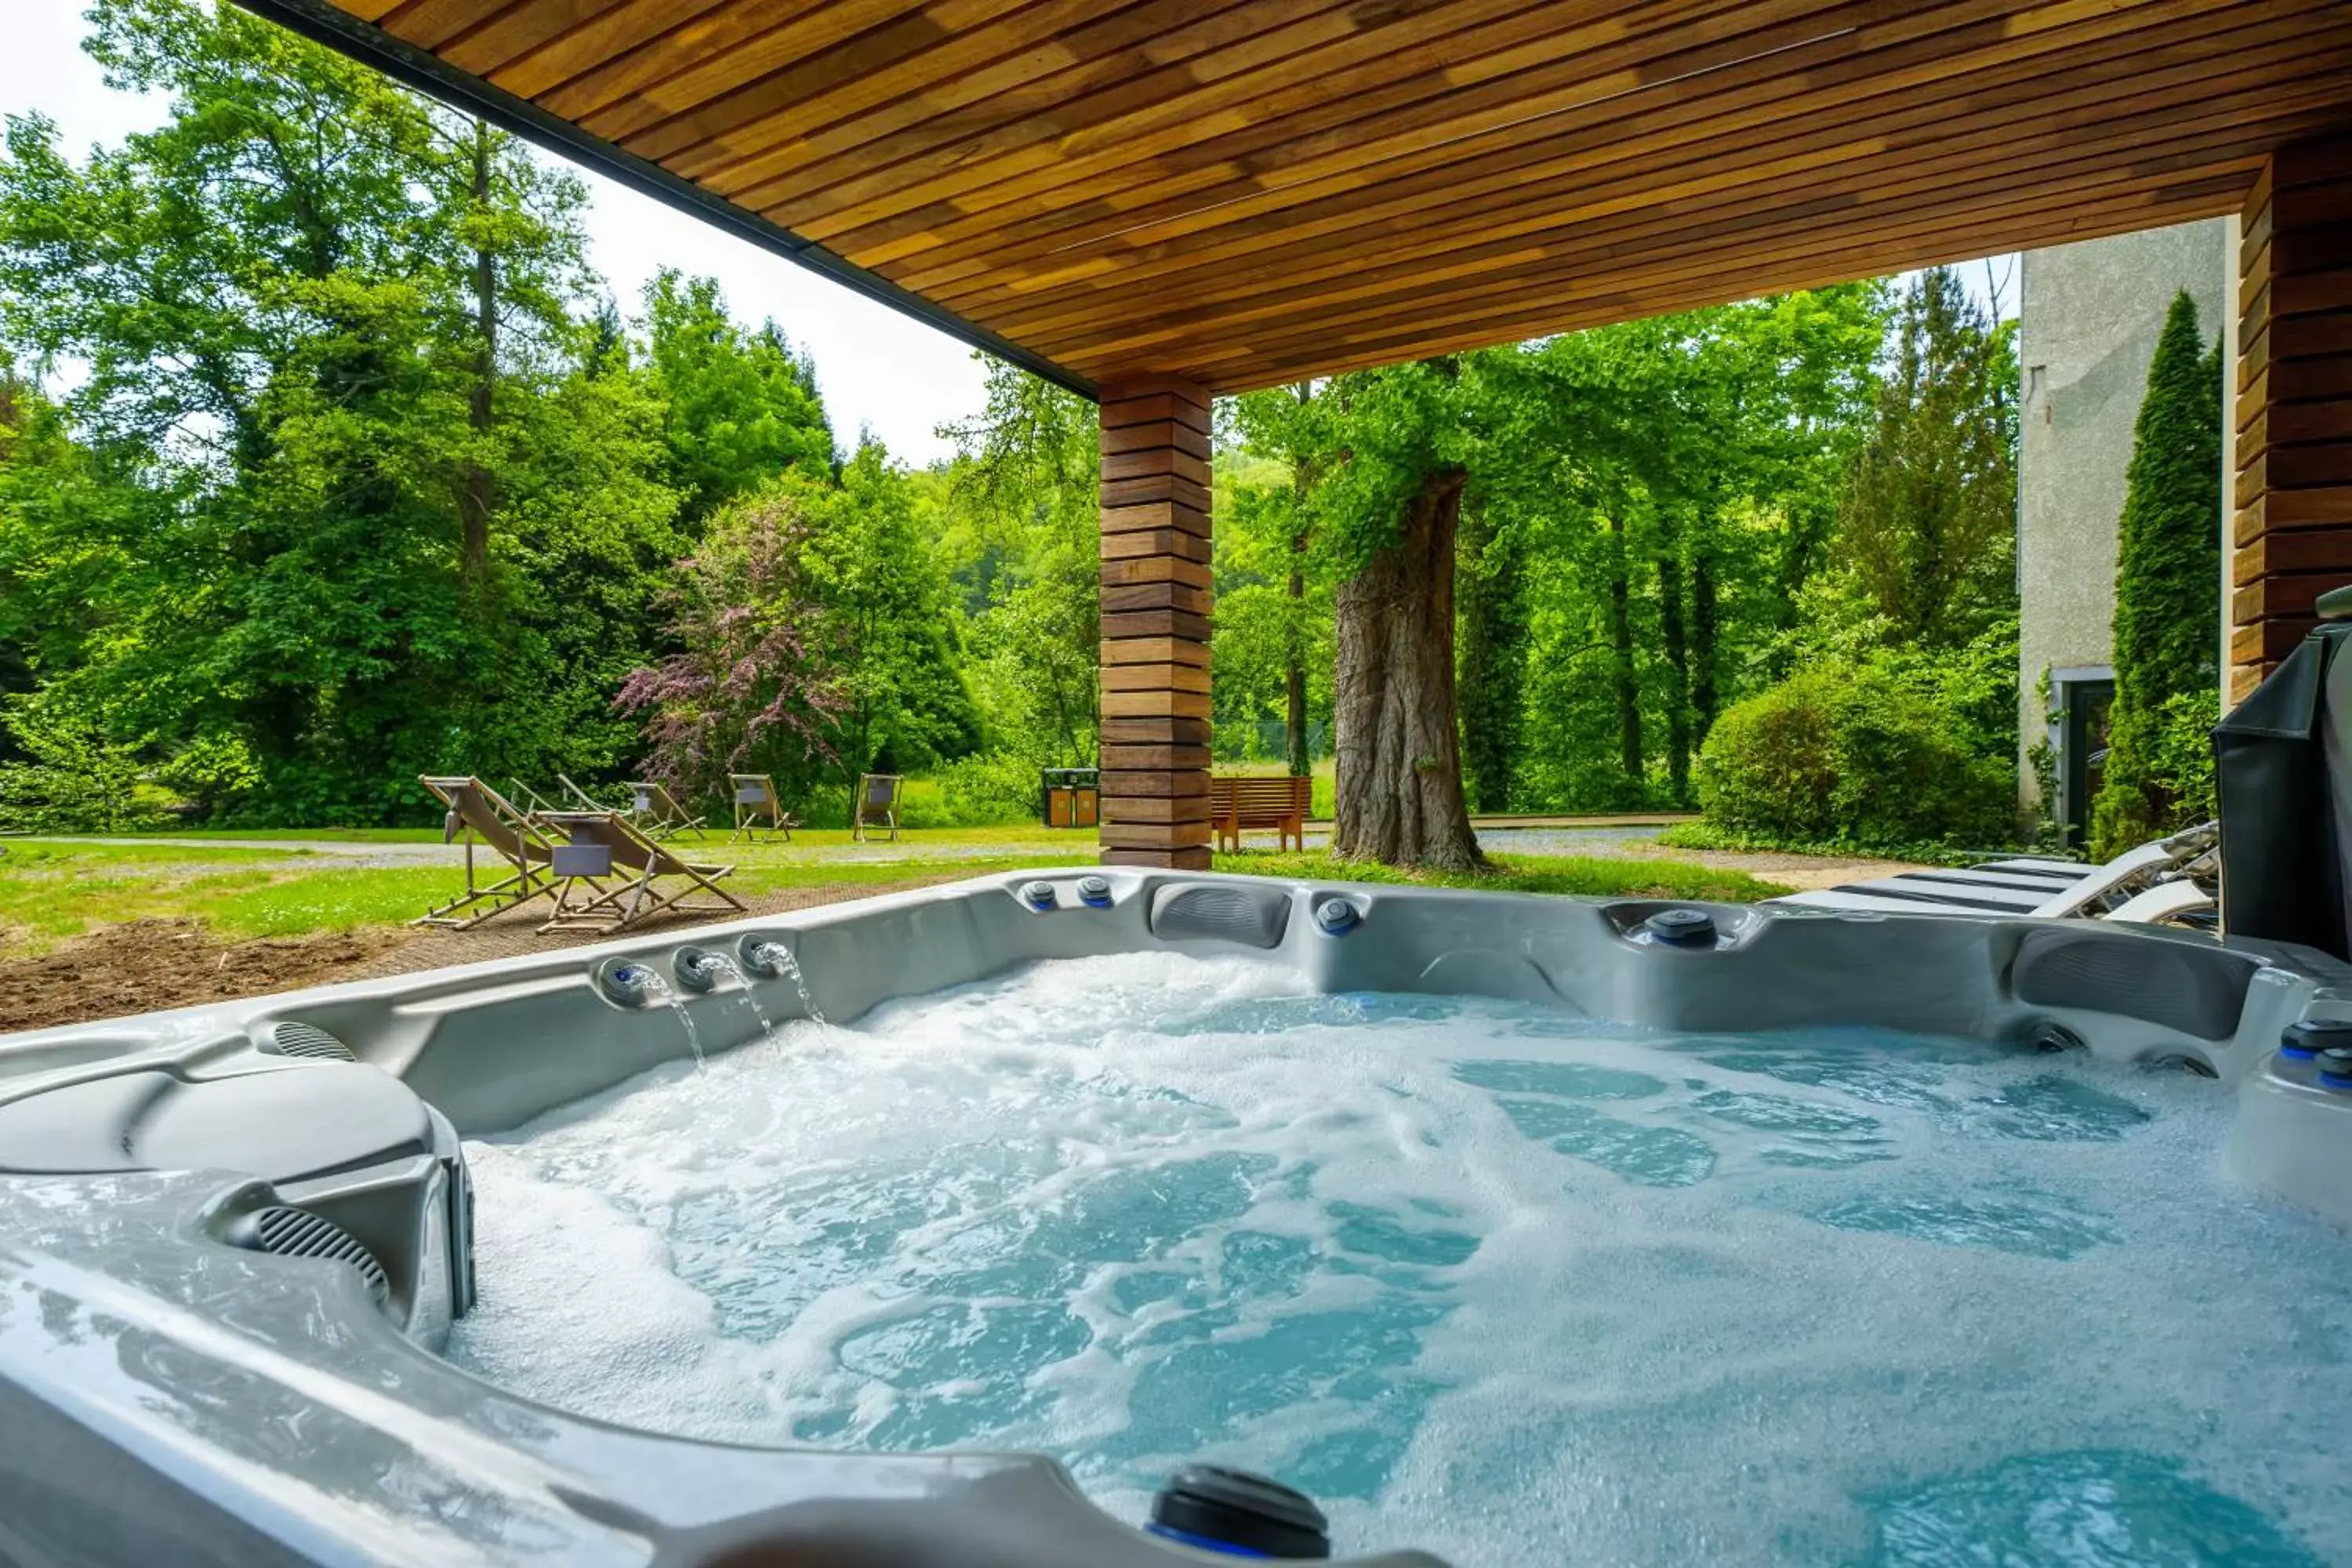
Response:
column 1483, row 1277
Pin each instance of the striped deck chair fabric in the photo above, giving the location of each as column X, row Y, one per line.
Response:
column 758, row 808
column 878, row 807
column 647, row 879
column 477, row 812
column 657, row 812
column 2035, row 887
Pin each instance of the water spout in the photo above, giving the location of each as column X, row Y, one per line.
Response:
column 774, row 958
column 658, row 989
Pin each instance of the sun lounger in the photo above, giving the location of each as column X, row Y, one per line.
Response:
column 2163, row 904
column 532, row 801
column 756, row 798
column 878, row 805
column 476, row 811
column 654, row 811
column 2032, row 885
column 602, row 845
column 583, row 800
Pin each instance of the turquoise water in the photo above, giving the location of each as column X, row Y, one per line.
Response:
column 1484, row 1278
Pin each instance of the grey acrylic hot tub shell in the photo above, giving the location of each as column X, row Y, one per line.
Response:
column 166, row 1396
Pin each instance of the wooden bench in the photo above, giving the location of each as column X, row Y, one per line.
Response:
column 1260, row 800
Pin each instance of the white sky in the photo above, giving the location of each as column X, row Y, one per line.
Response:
column 879, row 370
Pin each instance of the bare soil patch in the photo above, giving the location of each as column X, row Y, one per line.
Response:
column 145, row 966
column 142, row 965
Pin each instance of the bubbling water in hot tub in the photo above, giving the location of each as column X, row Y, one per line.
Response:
column 1484, row 1276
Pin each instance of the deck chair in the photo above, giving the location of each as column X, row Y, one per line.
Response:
column 877, row 804
column 603, row 845
column 656, row 811
column 532, row 799
column 477, row 811
column 583, row 799
column 756, row 797
column 2029, row 885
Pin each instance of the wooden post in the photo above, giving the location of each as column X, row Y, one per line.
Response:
column 1155, row 623
column 2290, row 399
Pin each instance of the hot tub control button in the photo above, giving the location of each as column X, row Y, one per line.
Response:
column 1094, row 893
column 1038, row 896
column 1681, row 928
column 2335, row 1068
column 2306, row 1037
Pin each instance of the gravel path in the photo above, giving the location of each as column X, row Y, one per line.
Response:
column 1621, row 842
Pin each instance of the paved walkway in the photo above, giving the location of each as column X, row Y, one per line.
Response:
column 329, row 851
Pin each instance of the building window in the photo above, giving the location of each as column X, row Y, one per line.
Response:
column 2084, row 698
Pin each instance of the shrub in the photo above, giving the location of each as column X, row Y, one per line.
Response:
column 1853, row 752
column 2181, row 760
column 990, row 788
column 76, row 778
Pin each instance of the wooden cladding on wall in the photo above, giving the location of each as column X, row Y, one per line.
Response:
column 2291, row 401
column 1155, row 623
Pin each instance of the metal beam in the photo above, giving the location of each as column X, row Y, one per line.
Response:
column 323, row 23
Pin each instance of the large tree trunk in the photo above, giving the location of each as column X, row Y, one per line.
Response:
column 1622, row 678
column 1400, row 782
column 474, row 493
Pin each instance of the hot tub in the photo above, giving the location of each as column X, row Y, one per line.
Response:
column 1595, row 1213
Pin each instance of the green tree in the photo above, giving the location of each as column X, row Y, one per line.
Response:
column 1017, row 526
column 886, row 622
column 1390, row 450
column 741, row 407
column 334, row 403
column 1492, row 605
column 1929, row 524
column 2167, row 563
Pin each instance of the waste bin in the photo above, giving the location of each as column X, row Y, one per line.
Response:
column 1070, row 797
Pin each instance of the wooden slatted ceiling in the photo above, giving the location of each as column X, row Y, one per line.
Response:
column 1242, row 192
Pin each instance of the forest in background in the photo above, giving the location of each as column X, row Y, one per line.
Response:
column 326, row 461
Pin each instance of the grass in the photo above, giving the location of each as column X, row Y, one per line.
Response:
column 49, row 892
column 342, row 899
column 1705, row 836
column 1581, row 876
column 883, row 875
column 54, row 890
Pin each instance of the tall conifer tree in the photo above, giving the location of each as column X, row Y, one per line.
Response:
column 2167, row 576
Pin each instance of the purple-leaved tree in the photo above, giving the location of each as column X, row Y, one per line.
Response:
column 750, row 689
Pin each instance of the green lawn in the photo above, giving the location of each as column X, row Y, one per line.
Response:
column 52, row 892
column 1583, row 875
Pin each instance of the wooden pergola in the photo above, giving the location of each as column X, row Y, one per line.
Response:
column 1156, row 201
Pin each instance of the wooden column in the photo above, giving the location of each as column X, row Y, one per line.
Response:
column 1155, row 623
column 2291, row 398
